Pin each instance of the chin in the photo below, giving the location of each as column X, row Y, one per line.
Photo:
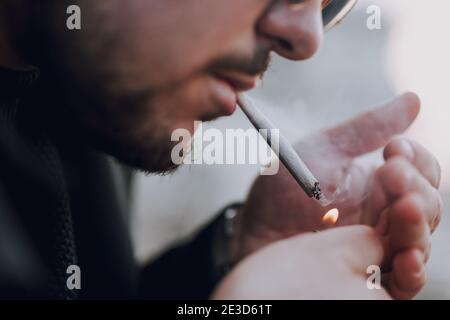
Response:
column 149, row 163
column 150, row 152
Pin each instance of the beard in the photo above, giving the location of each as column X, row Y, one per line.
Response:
column 125, row 125
column 145, row 147
column 149, row 153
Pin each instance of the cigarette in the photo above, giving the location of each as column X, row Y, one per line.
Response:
column 287, row 154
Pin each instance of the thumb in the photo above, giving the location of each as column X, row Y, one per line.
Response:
column 355, row 247
column 375, row 128
column 359, row 246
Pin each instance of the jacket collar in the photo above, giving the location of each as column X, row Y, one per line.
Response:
column 13, row 82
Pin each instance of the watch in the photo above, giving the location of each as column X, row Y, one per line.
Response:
column 221, row 249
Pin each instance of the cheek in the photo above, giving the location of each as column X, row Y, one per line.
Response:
column 164, row 48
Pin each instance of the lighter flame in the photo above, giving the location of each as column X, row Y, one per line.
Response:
column 330, row 218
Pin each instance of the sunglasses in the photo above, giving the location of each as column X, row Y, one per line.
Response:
column 333, row 11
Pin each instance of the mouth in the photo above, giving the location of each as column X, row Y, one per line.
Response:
column 237, row 80
column 228, row 85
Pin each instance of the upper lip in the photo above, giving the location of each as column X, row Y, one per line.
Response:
column 238, row 80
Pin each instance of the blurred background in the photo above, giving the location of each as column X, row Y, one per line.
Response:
column 356, row 68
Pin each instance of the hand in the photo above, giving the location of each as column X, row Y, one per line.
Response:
column 404, row 206
column 328, row 265
column 399, row 198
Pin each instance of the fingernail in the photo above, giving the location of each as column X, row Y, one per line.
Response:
column 419, row 262
column 406, row 149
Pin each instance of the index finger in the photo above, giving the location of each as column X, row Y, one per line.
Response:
column 375, row 128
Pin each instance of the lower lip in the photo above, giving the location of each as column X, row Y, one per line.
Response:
column 225, row 96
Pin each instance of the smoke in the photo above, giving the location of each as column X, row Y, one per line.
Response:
column 350, row 186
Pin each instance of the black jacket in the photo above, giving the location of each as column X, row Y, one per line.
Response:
column 63, row 204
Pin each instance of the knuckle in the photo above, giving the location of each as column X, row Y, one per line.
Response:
column 399, row 164
column 397, row 173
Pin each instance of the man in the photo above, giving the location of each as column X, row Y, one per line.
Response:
column 136, row 71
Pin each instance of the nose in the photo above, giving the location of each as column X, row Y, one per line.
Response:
column 294, row 28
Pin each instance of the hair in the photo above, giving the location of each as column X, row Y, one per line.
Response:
column 24, row 23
